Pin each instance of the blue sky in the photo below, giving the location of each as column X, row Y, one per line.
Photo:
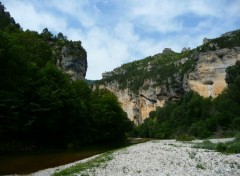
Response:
column 114, row 32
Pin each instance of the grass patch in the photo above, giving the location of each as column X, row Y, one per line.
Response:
column 99, row 161
column 138, row 140
column 200, row 166
column 96, row 162
column 192, row 155
column 206, row 145
column 185, row 138
column 228, row 147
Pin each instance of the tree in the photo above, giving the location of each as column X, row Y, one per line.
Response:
column 232, row 73
column 60, row 36
column 110, row 122
column 47, row 35
column 40, row 105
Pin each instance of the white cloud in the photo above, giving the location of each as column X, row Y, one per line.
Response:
column 82, row 11
column 119, row 31
column 157, row 15
column 25, row 13
column 204, row 8
column 105, row 51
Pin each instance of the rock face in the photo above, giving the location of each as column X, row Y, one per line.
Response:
column 73, row 60
column 142, row 86
column 139, row 105
column 208, row 77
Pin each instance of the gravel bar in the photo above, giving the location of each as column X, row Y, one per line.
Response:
column 162, row 157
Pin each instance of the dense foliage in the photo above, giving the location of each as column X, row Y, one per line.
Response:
column 228, row 40
column 40, row 106
column 166, row 68
column 228, row 147
column 192, row 115
column 196, row 116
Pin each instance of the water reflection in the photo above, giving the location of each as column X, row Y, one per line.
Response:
column 28, row 162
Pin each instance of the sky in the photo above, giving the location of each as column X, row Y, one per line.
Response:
column 114, row 32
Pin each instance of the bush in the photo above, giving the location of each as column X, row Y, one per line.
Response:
column 221, row 147
column 185, row 138
column 234, row 147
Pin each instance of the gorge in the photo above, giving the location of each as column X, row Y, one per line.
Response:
column 143, row 85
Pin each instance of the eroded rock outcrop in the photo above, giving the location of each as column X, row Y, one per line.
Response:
column 142, row 86
column 137, row 106
column 73, row 60
column 208, row 77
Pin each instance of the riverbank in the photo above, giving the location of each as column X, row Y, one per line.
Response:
column 23, row 163
column 33, row 161
column 160, row 157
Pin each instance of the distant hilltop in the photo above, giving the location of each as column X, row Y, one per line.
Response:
column 143, row 85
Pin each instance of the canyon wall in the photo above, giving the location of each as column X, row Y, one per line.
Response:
column 142, row 86
column 207, row 78
column 72, row 59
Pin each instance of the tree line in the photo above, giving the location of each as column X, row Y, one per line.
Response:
column 196, row 116
column 40, row 106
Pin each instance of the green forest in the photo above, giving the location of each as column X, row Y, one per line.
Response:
column 161, row 68
column 167, row 68
column 40, row 106
column 188, row 115
column 194, row 116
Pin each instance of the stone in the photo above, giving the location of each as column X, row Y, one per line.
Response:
column 208, row 77
column 73, row 61
column 185, row 49
column 167, row 50
column 205, row 40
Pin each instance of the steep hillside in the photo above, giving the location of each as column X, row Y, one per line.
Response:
column 68, row 55
column 143, row 85
column 41, row 106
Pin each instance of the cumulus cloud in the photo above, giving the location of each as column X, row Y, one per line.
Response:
column 120, row 31
column 33, row 18
column 83, row 12
column 157, row 15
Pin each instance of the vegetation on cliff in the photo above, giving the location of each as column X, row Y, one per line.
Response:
column 189, row 114
column 196, row 116
column 228, row 40
column 165, row 68
column 40, row 105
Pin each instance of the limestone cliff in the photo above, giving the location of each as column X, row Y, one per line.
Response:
column 143, row 85
column 72, row 59
column 208, row 77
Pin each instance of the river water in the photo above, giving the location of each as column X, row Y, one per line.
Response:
column 32, row 161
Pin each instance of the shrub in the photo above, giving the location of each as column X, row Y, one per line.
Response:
column 185, row 138
column 221, row 147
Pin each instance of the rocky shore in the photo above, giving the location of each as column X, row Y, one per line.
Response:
column 162, row 157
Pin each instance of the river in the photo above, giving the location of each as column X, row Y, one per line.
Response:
column 32, row 161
